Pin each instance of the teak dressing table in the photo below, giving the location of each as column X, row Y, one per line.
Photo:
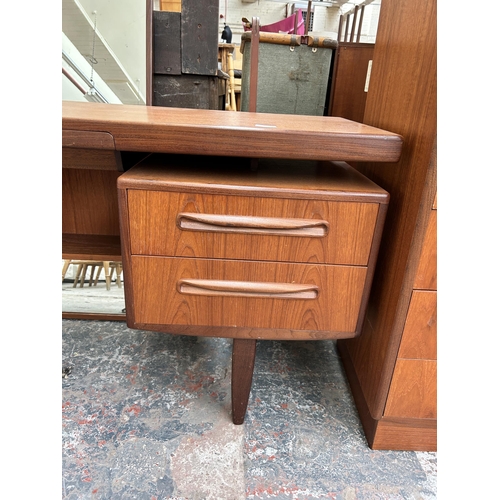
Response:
column 212, row 246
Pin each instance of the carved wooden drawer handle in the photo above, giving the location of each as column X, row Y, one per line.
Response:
column 247, row 289
column 252, row 225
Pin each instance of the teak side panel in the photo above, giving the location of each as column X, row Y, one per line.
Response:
column 91, row 247
column 156, row 129
column 154, row 228
column 401, row 97
column 351, row 66
column 158, row 300
column 420, row 333
column 413, row 391
column 90, row 202
column 426, row 277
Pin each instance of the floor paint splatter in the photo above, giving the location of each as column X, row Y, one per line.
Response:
column 147, row 416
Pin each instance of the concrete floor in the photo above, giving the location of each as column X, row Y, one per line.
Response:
column 92, row 298
column 147, row 416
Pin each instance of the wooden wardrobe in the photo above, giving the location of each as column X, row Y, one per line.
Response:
column 392, row 366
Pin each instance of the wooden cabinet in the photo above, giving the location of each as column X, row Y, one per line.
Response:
column 348, row 90
column 413, row 390
column 249, row 254
column 212, row 246
column 392, row 365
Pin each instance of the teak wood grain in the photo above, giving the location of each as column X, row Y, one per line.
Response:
column 308, row 180
column 420, row 333
column 413, row 392
column 241, row 376
column 157, row 229
column 90, row 202
column 390, row 433
column 412, row 434
column 402, row 96
column 348, row 96
column 85, row 139
column 204, row 251
column 91, row 247
column 213, row 132
column 426, row 277
column 159, row 301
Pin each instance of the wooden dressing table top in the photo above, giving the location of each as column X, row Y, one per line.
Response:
column 157, row 129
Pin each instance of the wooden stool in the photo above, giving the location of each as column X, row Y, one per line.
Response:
column 110, row 267
column 66, row 264
column 82, row 270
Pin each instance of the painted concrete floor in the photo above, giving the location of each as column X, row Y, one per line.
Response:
column 147, row 416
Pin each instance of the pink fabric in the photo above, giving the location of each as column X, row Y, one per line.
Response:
column 284, row 26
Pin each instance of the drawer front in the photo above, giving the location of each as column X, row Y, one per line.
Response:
column 413, row 391
column 420, row 332
column 209, row 292
column 92, row 159
column 249, row 228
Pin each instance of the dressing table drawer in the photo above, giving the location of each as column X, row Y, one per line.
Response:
column 284, row 252
column 250, row 228
column 247, row 294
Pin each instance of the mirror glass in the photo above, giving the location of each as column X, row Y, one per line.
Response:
column 104, row 59
column 92, row 287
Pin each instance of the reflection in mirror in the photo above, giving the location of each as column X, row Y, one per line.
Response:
column 107, row 54
column 104, row 51
column 92, row 287
column 105, row 47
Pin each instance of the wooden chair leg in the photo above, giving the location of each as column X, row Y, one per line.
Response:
column 77, row 277
column 96, row 279
column 84, row 273
column 119, row 274
column 107, row 274
column 241, row 378
column 65, row 268
column 92, row 271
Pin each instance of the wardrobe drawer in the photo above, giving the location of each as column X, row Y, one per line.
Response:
column 230, row 293
column 413, row 390
column 420, row 332
column 184, row 224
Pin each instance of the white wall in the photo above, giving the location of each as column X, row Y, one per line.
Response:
column 122, row 23
column 326, row 19
column 69, row 91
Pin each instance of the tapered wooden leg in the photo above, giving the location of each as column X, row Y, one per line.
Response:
column 107, row 274
column 119, row 274
column 77, row 277
column 65, row 268
column 241, row 380
column 99, row 271
column 92, row 271
column 84, row 273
